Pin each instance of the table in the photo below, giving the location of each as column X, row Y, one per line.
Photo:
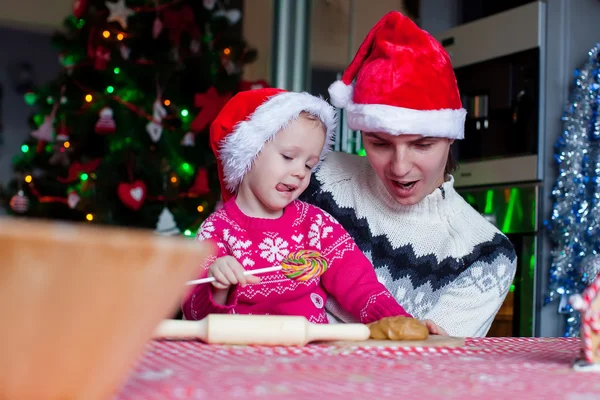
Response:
column 490, row 368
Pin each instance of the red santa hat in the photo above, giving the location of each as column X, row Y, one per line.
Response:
column 405, row 83
column 252, row 118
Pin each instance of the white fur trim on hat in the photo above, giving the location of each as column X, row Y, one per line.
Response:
column 340, row 93
column 241, row 147
column 446, row 123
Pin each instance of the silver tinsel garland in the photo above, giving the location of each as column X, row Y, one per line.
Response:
column 575, row 222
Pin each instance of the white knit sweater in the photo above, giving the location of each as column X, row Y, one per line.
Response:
column 440, row 258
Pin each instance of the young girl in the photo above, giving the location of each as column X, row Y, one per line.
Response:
column 267, row 143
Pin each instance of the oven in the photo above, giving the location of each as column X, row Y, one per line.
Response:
column 497, row 61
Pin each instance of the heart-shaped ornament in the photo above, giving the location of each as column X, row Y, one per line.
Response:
column 132, row 194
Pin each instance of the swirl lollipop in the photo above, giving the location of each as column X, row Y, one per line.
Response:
column 304, row 265
column 301, row 265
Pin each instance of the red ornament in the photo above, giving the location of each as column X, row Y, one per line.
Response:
column 76, row 169
column 132, row 194
column 19, row 203
column 106, row 124
column 200, row 186
column 252, row 85
column 211, row 104
column 179, row 21
column 101, row 58
column 79, row 8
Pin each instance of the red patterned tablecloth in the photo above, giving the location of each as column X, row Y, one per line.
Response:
column 490, row 368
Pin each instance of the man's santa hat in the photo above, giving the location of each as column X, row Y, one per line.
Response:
column 251, row 119
column 405, row 83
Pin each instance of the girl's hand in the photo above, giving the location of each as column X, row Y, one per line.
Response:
column 227, row 271
column 433, row 328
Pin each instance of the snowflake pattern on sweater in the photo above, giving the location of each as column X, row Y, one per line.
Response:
column 439, row 258
column 259, row 243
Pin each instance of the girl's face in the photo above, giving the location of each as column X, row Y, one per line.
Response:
column 282, row 170
column 410, row 166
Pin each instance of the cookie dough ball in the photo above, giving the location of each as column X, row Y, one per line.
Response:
column 398, row 328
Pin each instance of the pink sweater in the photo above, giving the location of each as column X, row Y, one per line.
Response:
column 259, row 243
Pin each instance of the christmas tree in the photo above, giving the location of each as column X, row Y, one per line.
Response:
column 121, row 136
column 574, row 225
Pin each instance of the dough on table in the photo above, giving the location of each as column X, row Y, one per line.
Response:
column 398, row 328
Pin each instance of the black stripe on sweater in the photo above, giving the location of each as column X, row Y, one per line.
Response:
column 402, row 261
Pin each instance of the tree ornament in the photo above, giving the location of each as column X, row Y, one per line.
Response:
column 63, row 132
column 210, row 104
column 106, row 124
column 157, row 27
column 189, row 140
column 45, row 131
column 180, row 21
column 166, row 225
column 209, row 4
column 125, row 52
column 119, row 13
column 19, row 203
column 154, row 127
column 230, row 67
column 200, row 186
column 101, row 58
column 73, row 199
column 80, row 8
column 195, row 46
column 154, row 131
column 232, row 16
column 76, row 169
column 132, row 195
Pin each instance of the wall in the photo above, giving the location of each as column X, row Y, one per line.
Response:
column 17, row 46
column 438, row 15
column 36, row 15
column 330, row 24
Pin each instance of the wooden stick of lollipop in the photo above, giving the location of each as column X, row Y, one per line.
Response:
column 301, row 265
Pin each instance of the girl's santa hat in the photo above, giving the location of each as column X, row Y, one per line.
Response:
column 252, row 118
column 405, row 83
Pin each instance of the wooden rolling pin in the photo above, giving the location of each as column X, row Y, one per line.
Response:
column 271, row 330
